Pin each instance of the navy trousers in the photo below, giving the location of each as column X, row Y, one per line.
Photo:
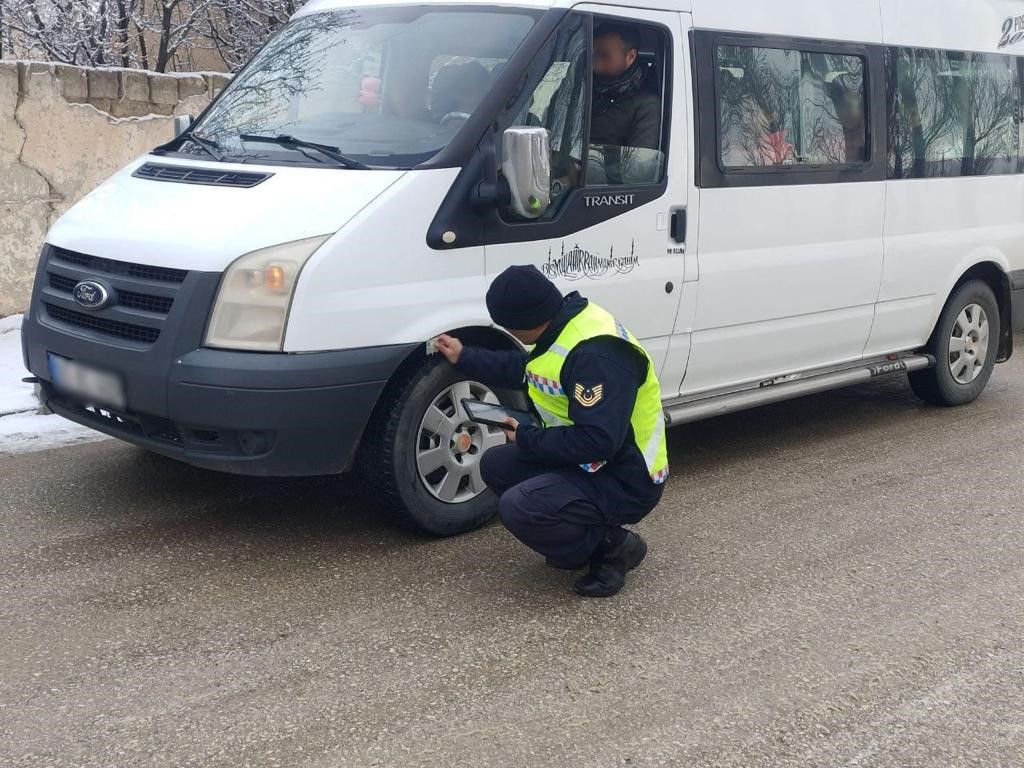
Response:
column 559, row 513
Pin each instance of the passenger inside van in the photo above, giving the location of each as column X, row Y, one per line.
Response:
column 774, row 146
column 404, row 97
column 849, row 110
column 457, row 90
column 779, row 107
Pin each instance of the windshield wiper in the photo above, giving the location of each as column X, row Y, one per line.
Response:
column 211, row 147
column 286, row 140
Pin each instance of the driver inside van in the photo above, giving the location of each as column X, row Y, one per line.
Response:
column 625, row 113
column 625, row 120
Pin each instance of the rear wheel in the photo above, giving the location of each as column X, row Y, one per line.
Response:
column 965, row 345
column 421, row 453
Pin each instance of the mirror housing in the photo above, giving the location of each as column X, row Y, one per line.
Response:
column 181, row 124
column 526, row 166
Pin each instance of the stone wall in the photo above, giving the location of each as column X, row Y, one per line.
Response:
column 65, row 129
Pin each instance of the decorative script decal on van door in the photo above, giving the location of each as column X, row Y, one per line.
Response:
column 577, row 263
column 1013, row 31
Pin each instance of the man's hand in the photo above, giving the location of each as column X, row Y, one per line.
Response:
column 510, row 430
column 450, row 347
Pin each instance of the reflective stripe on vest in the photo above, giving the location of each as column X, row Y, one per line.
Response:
column 544, row 372
column 550, row 419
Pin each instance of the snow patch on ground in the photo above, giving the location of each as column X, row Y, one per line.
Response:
column 21, row 428
column 24, row 432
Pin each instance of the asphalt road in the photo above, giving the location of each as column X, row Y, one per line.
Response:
column 837, row 581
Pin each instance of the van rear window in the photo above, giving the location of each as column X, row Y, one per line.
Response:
column 951, row 113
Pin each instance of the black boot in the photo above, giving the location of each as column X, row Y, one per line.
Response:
column 610, row 564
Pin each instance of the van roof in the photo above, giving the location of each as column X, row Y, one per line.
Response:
column 972, row 25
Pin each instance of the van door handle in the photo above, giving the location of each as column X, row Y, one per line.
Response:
column 678, row 226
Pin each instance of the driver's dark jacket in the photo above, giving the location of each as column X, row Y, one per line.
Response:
column 633, row 120
column 600, row 433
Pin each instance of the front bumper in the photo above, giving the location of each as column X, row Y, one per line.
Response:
column 241, row 412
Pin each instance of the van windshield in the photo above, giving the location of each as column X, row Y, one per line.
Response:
column 387, row 86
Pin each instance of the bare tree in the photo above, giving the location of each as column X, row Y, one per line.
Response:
column 987, row 97
column 174, row 25
column 152, row 34
column 240, row 27
column 926, row 129
column 69, row 31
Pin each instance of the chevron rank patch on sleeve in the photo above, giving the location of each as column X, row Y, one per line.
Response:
column 588, row 397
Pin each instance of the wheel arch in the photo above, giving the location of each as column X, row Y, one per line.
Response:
column 996, row 278
column 488, row 337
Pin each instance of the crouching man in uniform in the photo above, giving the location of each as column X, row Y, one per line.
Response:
column 599, row 462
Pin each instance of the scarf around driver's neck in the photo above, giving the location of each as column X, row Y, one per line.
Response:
column 607, row 91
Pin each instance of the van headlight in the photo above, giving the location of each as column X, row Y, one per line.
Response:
column 251, row 310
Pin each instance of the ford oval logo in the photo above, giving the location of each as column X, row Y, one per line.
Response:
column 91, row 294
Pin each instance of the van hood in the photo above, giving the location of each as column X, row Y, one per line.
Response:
column 205, row 226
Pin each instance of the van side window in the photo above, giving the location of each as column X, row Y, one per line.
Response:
column 788, row 108
column 558, row 104
column 627, row 119
column 951, row 113
column 615, row 69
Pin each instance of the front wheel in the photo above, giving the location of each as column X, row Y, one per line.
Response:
column 421, row 454
column 965, row 345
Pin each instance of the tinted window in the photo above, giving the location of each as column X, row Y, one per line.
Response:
column 782, row 107
column 951, row 113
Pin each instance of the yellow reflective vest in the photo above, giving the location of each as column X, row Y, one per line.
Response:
column 544, row 376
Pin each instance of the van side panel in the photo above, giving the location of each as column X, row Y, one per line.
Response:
column 935, row 230
column 854, row 20
column 957, row 25
column 788, row 280
column 377, row 282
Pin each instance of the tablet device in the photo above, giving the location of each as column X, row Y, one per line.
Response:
column 494, row 414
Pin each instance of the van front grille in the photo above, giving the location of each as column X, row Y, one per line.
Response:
column 124, row 268
column 121, row 330
column 160, row 305
column 141, row 296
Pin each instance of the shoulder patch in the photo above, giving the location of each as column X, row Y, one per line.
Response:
column 588, row 396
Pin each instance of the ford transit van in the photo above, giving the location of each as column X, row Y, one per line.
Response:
column 834, row 192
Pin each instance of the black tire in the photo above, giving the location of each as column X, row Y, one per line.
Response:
column 938, row 385
column 386, row 464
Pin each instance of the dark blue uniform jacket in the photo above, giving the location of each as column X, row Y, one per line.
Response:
column 600, row 432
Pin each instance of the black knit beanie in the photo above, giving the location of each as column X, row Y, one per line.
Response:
column 521, row 299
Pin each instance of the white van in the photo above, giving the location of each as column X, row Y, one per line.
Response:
column 837, row 194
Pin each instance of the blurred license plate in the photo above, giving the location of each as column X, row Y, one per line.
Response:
column 85, row 382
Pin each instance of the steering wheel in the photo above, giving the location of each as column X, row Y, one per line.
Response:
column 453, row 116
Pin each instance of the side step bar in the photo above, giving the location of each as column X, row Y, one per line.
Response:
column 705, row 408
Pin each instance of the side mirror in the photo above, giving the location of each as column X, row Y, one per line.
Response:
column 526, row 165
column 181, row 124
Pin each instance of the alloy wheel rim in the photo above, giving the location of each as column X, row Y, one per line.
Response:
column 449, row 446
column 968, row 344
